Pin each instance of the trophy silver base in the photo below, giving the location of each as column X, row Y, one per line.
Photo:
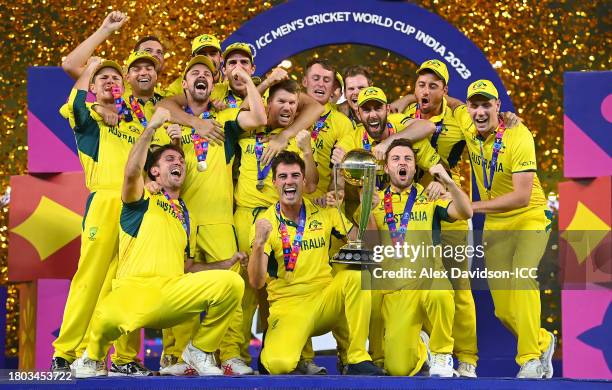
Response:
column 354, row 256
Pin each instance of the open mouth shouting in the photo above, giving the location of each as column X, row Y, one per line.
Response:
column 176, row 172
column 424, row 103
column 201, row 85
column 284, row 118
column 290, row 192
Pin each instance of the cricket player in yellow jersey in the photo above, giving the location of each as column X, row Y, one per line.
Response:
column 103, row 151
column 408, row 214
column 151, row 288
column 430, row 90
column 376, row 130
column 355, row 79
column 319, row 81
column 209, row 46
column 517, row 220
column 290, row 255
column 208, row 193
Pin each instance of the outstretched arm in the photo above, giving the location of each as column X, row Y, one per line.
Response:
column 133, row 182
column 460, row 208
column 255, row 116
column 74, row 63
column 416, row 130
column 209, row 129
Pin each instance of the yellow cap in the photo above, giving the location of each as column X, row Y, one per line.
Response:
column 199, row 60
column 371, row 93
column 140, row 55
column 106, row 64
column 484, row 88
column 340, row 80
column 436, row 66
column 238, row 46
column 204, row 40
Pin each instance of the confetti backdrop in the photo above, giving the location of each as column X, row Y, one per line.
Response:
column 530, row 43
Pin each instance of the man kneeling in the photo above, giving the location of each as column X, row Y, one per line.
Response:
column 290, row 244
column 151, row 288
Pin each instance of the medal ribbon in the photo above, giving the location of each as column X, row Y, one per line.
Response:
column 122, row 109
column 436, row 134
column 200, row 145
column 259, row 148
column 497, row 145
column 398, row 236
column 231, row 100
column 182, row 216
column 290, row 253
column 319, row 125
column 137, row 110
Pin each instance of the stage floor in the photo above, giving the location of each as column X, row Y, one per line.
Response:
column 318, row 382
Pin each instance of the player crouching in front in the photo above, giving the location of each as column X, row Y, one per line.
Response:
column 290, row 254
column 151, row 288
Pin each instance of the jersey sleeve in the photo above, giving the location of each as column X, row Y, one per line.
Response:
column 441, row 210
column 522, row 150
column 347, row 142
column 160, row 138
column 231, row 128
column 463, row 118
column 176, row 88
column 426, row 155
column 77, row 112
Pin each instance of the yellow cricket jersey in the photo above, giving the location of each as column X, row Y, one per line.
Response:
column 152, row 240
column 312, row 271
column 103, row 150
column 219, row 91
column 450, row 143
column 426, row 156
column 423, row 231
column 516, row 155
column 334, row 129
column 246, row 193
column 208, row 194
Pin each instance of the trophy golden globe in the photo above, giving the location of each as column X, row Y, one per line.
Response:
column 358, row 168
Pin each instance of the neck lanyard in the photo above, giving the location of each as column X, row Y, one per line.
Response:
column 137, row 110
column 122, row 109
column 434, row 137
column 497, row 145
column 365, row 139
column 319, row 125
column 290, row 253
column 261, row 173
column 398, row 236
column 200, row 145
column 231, row 100
column 182, row 215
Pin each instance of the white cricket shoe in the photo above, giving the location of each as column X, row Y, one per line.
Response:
column 546, row 358
column 203, row 362
column 441, row 365
column 532, row 369
column 236, row 366
column 84, row 367
column 466, row 370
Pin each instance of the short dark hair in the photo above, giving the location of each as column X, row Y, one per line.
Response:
column 399, row 142
column 288, row 85
column 429, row 71
column 146, row 39
column 154, row 156
column 288, row 158
column 324, row 62
column 357, row 70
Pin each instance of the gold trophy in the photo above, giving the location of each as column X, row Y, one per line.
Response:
column 358, row 168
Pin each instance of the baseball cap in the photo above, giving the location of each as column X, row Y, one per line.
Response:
column 204, row 40
column 371, row 93
column 199, row 60
column 484, row 88
column 140, row 55
column 238, row 46
column 436, row 66
column 106, row 64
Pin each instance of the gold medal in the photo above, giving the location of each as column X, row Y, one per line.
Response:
column 260, row 185
column 202, row 166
